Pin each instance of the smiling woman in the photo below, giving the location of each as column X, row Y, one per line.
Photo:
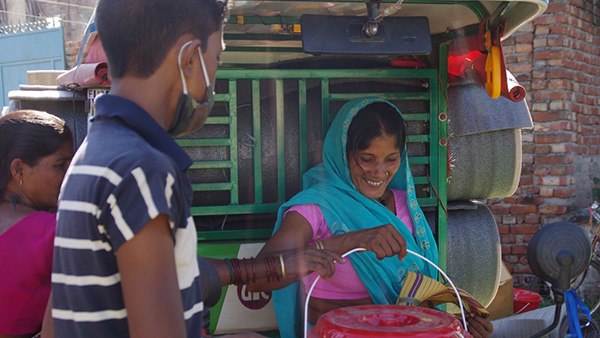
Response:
column 35, row 150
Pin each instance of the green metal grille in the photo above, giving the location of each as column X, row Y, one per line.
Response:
column 301, row 76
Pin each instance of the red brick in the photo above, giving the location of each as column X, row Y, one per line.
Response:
column 559, row 7
column 553, row 209
column 558, row 54
column 548, row 116
column 524, row 229
column 532, row 219
column 508, row 239
column 562, row 170
column 553, row 159
column 526, row 181
column 518, row 250
column 554, row 138
column 503, row 229
column 564, row 193
column 498, row 209
column 523, row 209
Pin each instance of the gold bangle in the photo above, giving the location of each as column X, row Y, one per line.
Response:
column 282, row 266
column 320, row 245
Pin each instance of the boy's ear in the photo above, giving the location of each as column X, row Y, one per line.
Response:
column 16, row 169
column 189, row 55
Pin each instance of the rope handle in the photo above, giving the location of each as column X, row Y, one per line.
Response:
column 462, row 311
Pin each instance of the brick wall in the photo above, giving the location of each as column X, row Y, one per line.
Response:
column 557, row 59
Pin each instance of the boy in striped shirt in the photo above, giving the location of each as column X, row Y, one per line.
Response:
column 125, row 257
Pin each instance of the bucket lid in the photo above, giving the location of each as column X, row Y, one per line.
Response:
column 388, row 321
column 523, row 295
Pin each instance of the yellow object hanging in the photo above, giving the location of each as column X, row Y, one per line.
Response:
column 493, row 67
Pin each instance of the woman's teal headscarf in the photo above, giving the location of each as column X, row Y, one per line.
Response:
column 345, row 209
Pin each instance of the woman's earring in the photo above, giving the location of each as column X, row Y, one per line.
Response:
column 387, row 173
column 21, row 183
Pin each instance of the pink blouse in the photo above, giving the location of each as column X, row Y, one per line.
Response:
column 26, row 265
column 345, row 284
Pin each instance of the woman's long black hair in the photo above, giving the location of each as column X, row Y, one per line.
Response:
column 29, row 135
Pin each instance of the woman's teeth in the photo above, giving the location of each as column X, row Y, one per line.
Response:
column 376, row 184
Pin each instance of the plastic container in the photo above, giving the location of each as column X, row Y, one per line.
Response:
column 391, row 321
column 525, row 300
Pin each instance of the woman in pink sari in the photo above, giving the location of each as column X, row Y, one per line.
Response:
column 35, row 150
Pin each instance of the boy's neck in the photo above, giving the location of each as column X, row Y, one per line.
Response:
column 150, row 94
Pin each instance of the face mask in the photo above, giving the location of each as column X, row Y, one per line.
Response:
column 190, row 114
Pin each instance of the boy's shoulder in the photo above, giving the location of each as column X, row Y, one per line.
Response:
column 113, row 145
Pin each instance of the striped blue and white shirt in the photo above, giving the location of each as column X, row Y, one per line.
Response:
column 127, row 171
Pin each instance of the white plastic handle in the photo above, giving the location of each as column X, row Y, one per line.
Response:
column 462, row 311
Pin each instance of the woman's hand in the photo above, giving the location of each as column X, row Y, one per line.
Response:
column 299, row 263
column 479, row 327
column 384, row 241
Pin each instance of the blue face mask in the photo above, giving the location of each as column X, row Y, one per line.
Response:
column 190, row 114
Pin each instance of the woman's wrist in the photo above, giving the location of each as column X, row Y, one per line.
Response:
column 248, row 270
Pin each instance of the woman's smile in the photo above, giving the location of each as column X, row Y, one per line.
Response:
column 373, row 183
column 372, row 169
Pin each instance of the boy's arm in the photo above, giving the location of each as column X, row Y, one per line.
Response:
column 149, row 282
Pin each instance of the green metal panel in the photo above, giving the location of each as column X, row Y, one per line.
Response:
column 442, row 158
column 233, row 135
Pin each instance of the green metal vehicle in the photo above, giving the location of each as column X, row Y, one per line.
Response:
column 287, row 69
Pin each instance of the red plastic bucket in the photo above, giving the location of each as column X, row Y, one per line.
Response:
column 525, row 300
column 392, row 321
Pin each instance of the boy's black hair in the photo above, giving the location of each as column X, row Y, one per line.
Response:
column 29, row 135
column 137, row 34
column 375, row 120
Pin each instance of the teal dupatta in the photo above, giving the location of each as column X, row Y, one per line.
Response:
column 329, row 185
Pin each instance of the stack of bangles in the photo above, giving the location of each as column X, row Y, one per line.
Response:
column 243, row 271
column 320, row 245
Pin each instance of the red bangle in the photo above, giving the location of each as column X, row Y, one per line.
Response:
column 266, row 261
column 247, row 272
column 238, row 271
column 273, row 268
